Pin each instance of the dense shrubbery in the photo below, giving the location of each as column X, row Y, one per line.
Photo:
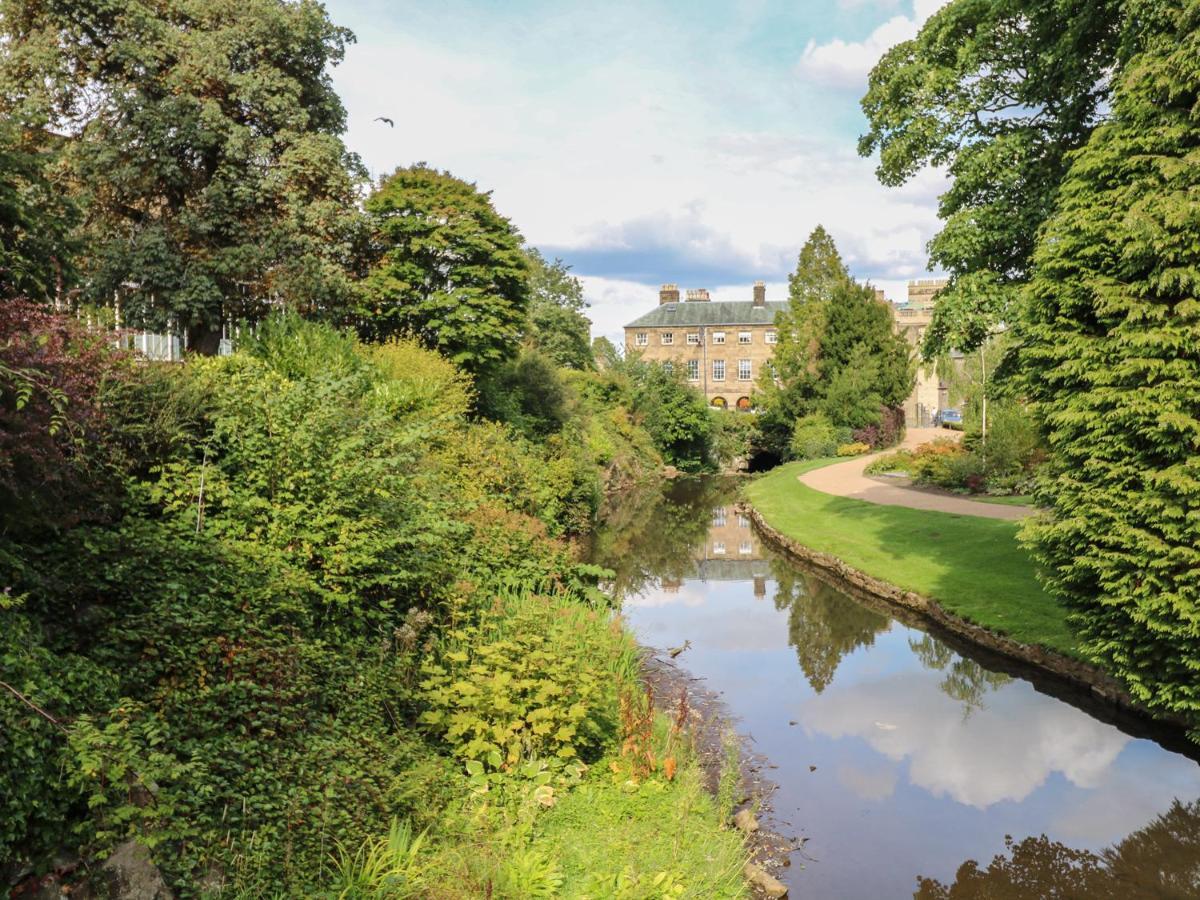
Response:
column 1111, row 357
column 815, row 437
column 229, row 657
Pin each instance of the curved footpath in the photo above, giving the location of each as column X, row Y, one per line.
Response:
column 846, row 479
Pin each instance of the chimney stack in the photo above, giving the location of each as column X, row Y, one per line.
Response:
column 668, row 293
column 760, row 294
column 697, row 295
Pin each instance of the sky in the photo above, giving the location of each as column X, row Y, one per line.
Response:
column 696, row 143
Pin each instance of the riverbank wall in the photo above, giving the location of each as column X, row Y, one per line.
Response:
column 1078, row 675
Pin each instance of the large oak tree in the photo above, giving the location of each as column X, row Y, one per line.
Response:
column 201, row 139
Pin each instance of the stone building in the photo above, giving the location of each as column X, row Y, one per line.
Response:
column 720, row 346
column 911, row 319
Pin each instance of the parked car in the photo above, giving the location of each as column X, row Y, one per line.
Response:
column 948, row 418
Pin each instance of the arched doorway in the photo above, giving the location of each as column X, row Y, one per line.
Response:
column 743, row 404
column 719, row 402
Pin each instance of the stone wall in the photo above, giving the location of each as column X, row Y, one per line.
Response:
column 732, row 389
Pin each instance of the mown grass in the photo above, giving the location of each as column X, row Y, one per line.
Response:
column 1009, row 500
column 974, row 567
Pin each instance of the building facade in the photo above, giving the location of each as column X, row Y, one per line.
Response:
column 912, row 318
column 721, row 347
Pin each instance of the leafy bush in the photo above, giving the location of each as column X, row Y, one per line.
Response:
column 732, row 436
column 886, row 432
column 815, row 437
column 855, row 449
column 525, row 683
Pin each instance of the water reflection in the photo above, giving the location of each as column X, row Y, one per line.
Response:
column 966, row 680
column 896, row 754
column 1161, row 860
column 822, row 626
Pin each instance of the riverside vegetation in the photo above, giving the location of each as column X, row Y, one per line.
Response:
column 300, row 622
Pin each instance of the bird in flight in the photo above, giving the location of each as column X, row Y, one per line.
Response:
column 390, row 123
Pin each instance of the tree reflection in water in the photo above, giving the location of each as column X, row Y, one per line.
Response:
column 966, row 680
column 1161, row 860
column 651, row 535
column 824, row 625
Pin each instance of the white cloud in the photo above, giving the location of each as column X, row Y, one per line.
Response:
column 978, row 762
column 633, row 168
column 845, row 64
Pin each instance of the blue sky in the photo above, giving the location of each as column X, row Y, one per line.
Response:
column 696, row 143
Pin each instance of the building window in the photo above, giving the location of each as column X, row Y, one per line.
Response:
column 718, row 519
column 743, row 521
column 693, row 338
column 641, row 339
column 743, row 337
column 718, row 548
column 668, row 367
column 668, row 337
column 745, row 548
column 693, row 370
column 743, row 370
column 772, row 337
column 718, row 337
column 718, row 370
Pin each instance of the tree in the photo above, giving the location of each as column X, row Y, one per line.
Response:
column 557, row 325
column 451, row 272
column 1000, row 93
column 1111, row 358
column 202, row 141
column 819, row 269
column 837, row 352
column 35, row 259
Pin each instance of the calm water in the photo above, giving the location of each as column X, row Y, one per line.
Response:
column 926, row 759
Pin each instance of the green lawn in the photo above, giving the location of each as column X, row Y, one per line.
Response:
column 972, row 566
column 1007, row 500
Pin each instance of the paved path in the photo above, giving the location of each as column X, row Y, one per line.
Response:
column 846, row 479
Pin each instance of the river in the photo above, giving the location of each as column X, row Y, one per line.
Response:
column 908, row 764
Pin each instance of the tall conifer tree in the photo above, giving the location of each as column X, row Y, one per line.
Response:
column 1111, row 338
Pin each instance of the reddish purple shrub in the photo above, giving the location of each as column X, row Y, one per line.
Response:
column 53, row 450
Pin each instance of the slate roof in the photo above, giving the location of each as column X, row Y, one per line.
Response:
column 709, row 312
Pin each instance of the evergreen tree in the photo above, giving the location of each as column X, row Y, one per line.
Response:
column 202, row 141
column 834, row 334
column 451, row 273
column 1111, row 353
column 819, row 270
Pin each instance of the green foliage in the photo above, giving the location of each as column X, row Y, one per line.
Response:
column 35, row 220
column 451, row 271
column 856, row 448
column 204, row 145
column 387, row 868
column 528, row 393
column 732, row 436
column 674, row 413
column 525, row 683
column 233, row 661
column 815, row 437
column 837, row 355
column 557, row 325
column 999, row 93
column 820, row 272
column 1110, row 336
